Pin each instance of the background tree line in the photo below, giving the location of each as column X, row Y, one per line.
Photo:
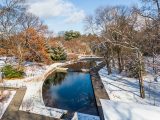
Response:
column 126, row 35
column 26, row 37
column 23, row 34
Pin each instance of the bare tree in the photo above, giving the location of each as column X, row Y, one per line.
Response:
column 115, row 27
column 151, row 12
column 16, row 28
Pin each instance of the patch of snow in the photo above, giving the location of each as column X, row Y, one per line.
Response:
column 129, row 111
column 98, row 62
column 9, row 60
column 82, row 57
column 121, row 88
column 81, row 116
column 5, row 103
column 3, row 58
column 1, row 76
column 34, row 70
column 157, row 79
column 2, row 64
column 14, row 83
column 51, row 112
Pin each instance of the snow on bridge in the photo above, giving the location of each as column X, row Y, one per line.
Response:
column 89, row 57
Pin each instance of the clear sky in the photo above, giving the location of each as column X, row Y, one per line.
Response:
column 62, row 15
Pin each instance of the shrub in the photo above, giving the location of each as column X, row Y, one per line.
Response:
column 33, row 56
column 10, row 72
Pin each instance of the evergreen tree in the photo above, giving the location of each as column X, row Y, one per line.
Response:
column 69, row 35
column 57, row 53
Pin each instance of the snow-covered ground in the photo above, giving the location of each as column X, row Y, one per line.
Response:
column 31, row 69
column 7, row 60
column 81, row 116
column 122, row 91
column 5, row 103
column 35, row 75
column 33, row 101
column 132, row 111
column 121, row 88
column 34, row 69
column 125, row 102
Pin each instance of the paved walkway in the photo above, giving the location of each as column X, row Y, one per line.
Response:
column 13, row 113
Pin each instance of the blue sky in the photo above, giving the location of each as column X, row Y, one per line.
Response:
column 62, row 15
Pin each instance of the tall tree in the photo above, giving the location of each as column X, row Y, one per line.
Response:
column 151, row 12
column 116, row 28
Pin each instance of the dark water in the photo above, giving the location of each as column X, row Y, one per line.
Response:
column 70, row 91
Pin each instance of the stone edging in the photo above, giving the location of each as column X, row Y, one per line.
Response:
column 98, row 87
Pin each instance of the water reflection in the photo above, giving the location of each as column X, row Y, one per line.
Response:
column 55, row 79
column 72, row 91
column 80, row 65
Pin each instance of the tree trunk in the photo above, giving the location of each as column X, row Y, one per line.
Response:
column 119, row 61
column 141, row 85
column 113, row 63
column 123, row 64
column 153, row 55
column 158, row 8
column 141, row 82
column 108, row 67
column 20, row 56
column 153, row 63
